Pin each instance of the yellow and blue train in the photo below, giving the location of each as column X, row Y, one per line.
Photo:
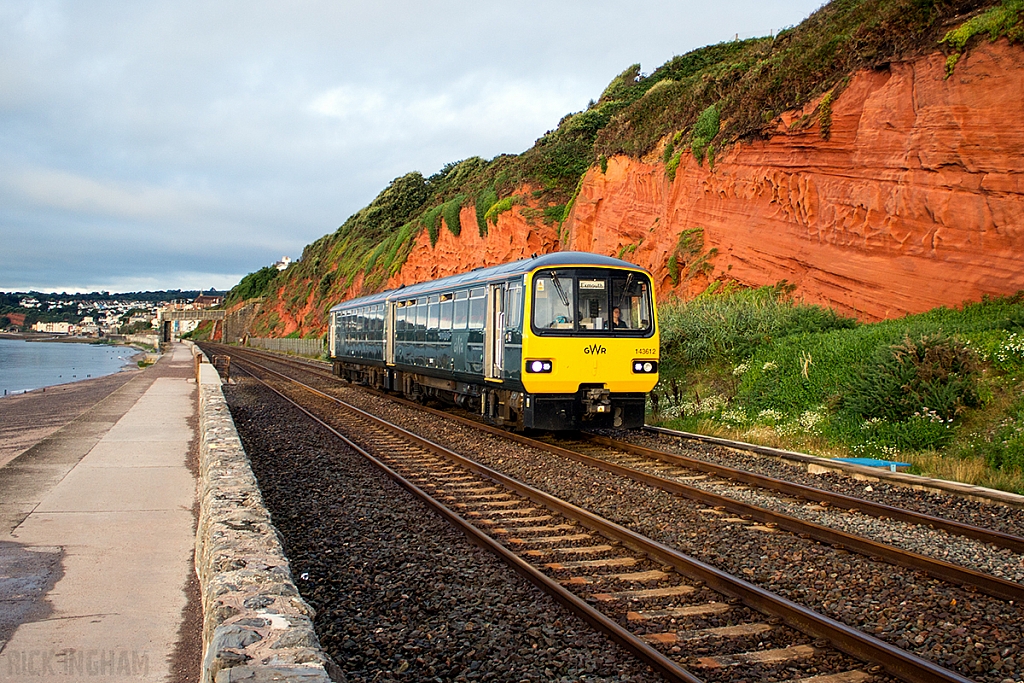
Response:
column 567, row 340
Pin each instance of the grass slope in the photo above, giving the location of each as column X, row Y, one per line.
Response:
column 943, row 390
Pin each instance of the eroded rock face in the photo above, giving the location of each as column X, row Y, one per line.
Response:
column 915, row 200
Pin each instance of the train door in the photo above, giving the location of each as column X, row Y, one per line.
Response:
column 332, row 339
column 494, row 335
column 389, row 333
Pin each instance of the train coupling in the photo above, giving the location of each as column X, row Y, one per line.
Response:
column 597, row 401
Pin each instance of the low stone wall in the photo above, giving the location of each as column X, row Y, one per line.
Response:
column 150, row 340
column 256, row 627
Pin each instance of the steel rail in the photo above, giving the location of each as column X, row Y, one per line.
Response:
column 644, row 652
column 859, row 645
column 939, row 569
column 999, row 538
column 936, row 568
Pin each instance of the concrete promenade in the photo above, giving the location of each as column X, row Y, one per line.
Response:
column 97, row 537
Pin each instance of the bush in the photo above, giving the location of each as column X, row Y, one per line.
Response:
column 431, row 219
column 253, row 285
column 672, row 166
column 918, row 433
column 451, row 210
column 499, row 207
column 1007, row 443
column 485, row 199
column 554, row 213
column 393, row 207
column 704, row 131
column 933, row 377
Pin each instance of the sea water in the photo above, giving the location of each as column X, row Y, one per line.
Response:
column 30, row 365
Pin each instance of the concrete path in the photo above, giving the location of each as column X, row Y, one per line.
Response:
column 101, row 549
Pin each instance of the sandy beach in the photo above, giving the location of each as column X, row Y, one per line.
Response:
column 26, row 419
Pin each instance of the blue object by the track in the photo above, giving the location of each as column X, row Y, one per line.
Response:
column 875, row 462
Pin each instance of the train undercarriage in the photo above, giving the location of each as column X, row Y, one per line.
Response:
column 591, row 407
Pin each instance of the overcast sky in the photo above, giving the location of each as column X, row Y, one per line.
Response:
column 181, row 145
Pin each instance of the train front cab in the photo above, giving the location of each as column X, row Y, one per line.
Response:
column 586, row 364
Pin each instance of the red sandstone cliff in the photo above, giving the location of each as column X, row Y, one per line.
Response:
column 915, row 200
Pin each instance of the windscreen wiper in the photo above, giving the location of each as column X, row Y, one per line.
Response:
column 625, row 289
column 558, row 288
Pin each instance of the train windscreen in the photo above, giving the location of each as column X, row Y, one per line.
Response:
column 592, row 300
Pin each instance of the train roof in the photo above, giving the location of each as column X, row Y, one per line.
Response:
column 491, row 273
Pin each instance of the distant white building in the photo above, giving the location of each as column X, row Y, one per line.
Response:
column 283, row 263
column 54, row 328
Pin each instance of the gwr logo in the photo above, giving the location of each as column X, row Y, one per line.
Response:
column 594, row 349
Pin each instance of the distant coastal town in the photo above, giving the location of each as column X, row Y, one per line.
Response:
column 99, row 314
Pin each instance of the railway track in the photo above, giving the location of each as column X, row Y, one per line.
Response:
column 577, row 549
column 691, row 478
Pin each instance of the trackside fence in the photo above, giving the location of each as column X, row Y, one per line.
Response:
column 313, row 348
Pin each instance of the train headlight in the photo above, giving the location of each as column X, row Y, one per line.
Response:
column 538, row 366
column 645, row 367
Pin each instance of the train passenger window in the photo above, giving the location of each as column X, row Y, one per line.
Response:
column 421, row 319
column 400, row 323
column 445, row 320
column 432, row 312
column 553, row 302
column 461, row 310
column 477, row 308
column 514, row 306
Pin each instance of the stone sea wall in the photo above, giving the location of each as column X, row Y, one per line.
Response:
column 256, row 627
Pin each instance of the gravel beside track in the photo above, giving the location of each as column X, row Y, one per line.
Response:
column 977, row 636
column 959, row 550
column 949, row 506
column 399, row 594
